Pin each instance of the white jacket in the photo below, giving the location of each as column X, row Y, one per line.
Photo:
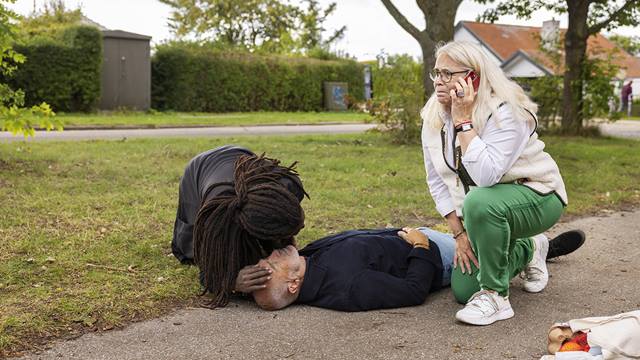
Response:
column 533, row 168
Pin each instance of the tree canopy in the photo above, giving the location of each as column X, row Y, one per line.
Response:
column 630, row 44
column 274, row 26
column 14, row 117
column 49, row 21
column 586, row 18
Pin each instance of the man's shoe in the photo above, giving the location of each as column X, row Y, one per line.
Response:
column 565, row 243
column 485, row 307
column 536, row 275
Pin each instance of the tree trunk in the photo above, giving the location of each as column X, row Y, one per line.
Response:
column 428, row 63
column 575, row 54
column 439, row 17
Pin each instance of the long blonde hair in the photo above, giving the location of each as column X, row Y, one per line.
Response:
column 495, row 88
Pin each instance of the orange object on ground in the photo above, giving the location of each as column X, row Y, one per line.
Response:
column 577, row 343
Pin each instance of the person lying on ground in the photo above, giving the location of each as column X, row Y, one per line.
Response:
column 361, row 270
column 234, row 208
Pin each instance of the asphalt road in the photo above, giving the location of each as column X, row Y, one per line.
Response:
column 190, row 132
column 622, row 128
column 599, row 279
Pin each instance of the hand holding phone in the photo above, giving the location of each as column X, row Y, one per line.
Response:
column 475, row 79
column 462, row 105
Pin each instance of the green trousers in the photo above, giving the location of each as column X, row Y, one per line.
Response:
column 500, row 221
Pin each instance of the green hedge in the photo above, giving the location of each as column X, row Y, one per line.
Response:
column 199, row 79
column 63, row 72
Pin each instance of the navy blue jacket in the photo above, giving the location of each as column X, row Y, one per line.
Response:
column 368, row 269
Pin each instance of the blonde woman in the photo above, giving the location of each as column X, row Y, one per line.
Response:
column 490, row 178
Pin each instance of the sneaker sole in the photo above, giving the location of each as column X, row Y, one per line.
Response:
column 565, row 243
column 500, row 315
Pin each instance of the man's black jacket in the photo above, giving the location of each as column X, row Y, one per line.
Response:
column 368, row 269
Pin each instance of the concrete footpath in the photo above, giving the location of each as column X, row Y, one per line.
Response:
column 599, row 279
column 117, row 134
column 622, row 128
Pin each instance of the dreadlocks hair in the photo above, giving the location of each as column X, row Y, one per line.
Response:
column 244, row 224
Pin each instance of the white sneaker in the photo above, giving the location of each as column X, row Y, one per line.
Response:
column 536, row 275
column 485, row 307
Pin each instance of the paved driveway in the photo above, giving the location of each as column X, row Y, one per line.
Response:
column 599, row 279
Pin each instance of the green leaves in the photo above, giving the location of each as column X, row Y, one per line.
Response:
column 48, row 23
column 399, row 97
column 13, row 116
column 18, row 120
column 590, row 90
column 272, row 26
column 522, row 9
column 630, row 44
column 598, row 89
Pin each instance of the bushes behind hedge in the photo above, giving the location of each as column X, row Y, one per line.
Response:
column 63, row 72
column 208, row 80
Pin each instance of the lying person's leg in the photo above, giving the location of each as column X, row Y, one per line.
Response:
column 447, row 246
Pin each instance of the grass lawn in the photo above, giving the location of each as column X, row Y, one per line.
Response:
column 168, row 119
column 76, row 215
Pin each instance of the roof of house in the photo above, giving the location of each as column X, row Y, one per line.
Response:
column 119, row 34
column 108, row 33
column 87, row 21
column 506, row 40
column 545, row 66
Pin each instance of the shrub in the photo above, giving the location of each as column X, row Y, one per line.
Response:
column 64, row 72
column 398, row 98
column 546, row 91
column 199, row 78
column 598, row 72
column 14, row 117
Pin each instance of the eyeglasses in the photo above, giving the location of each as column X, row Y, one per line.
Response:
column 444, row 74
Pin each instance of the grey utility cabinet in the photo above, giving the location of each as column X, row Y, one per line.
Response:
column 126, row 71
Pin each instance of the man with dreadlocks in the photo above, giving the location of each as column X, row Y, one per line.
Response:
column 234, row 208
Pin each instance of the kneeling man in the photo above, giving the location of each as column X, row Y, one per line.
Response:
column 360, row 270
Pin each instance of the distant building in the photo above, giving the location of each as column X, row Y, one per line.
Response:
column 126, row 69
column 517, row 49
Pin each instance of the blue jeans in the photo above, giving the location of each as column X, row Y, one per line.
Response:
column 447, row 246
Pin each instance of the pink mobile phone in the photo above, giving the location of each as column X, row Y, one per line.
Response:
column 475, row 79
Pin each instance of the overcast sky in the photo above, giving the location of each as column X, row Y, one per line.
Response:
column 370, row 28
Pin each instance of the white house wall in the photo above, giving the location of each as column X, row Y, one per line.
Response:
column 635, row 88
column 462, row 34
column 522, row 67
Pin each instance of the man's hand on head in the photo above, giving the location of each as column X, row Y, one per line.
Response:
column 414, row 237
column 252, row 278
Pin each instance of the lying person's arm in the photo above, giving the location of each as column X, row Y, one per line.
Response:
column 373, row 289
